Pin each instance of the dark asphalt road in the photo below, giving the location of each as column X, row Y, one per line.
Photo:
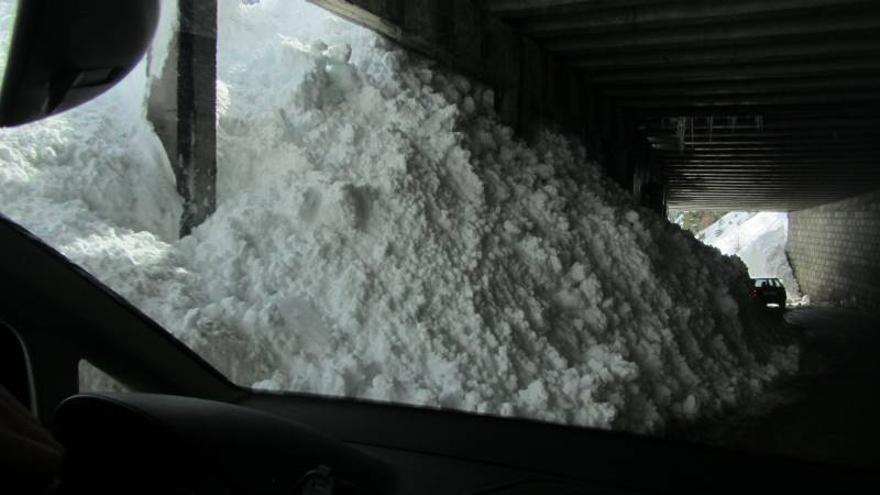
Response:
column 830, row 412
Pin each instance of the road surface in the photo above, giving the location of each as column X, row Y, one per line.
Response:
column 830, row 412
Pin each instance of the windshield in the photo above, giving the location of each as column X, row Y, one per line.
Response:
column 379, row 232
column 7, row 20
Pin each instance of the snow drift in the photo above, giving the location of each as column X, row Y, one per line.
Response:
column 380, row 235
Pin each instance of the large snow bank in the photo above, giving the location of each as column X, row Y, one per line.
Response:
column 379, row 234
column 759, row 240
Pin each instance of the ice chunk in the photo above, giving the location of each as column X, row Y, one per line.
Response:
column 340, row 53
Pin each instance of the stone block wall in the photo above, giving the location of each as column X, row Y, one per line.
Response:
column 834, row 250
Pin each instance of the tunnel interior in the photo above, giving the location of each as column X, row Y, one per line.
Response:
column 691, row 104
column 748, row 105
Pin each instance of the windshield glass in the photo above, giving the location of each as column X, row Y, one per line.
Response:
column 379, row 232
column 7, row 22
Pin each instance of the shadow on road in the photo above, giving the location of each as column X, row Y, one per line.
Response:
column 829, row 412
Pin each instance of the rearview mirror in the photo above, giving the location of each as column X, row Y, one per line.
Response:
column 63, row 53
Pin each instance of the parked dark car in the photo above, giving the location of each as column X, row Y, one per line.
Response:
column 769, row 291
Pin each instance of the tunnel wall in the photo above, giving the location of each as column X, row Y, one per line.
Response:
column 834, row 251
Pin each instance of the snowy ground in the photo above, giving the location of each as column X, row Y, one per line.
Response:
column 379, row 234
column 759, row 240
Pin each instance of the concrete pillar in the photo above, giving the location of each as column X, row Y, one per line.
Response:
column 197, row 111
column 182, row 108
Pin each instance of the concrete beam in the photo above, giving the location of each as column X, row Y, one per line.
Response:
column 860, row 149
column 738, row 194
column 828, row 181
column 735, row 192
column 741, row 124
column 708, row 142
column 860, row 168
column 830, row 83
column 850, row 44
column 819, row 177
column 678, row 13
column 809, row 115
column 525, row 8
column 756, row 100
column 777, row 196
column 740, row 204
column 766, row 134
column 755, row 33
column 745, row 164
column 869, row 150
column 865, row 153
column 736, row 197
column 860, row 66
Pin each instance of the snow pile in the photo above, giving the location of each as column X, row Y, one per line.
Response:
column 379, row 234
column 759, row 240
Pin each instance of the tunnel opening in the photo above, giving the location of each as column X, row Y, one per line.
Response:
column 758, row 239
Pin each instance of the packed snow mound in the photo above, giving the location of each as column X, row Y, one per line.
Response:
column 759, row 240
column 380, row 235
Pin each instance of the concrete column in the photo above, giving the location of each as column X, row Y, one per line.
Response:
column 197, row 111
column 182, row 108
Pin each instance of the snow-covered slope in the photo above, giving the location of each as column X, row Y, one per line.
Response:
column 758, row 239
column 379, row 234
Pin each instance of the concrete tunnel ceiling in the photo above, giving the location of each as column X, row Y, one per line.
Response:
column 723, row 104
column 750, row 104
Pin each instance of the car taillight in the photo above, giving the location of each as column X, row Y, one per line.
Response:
column 754, row 293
